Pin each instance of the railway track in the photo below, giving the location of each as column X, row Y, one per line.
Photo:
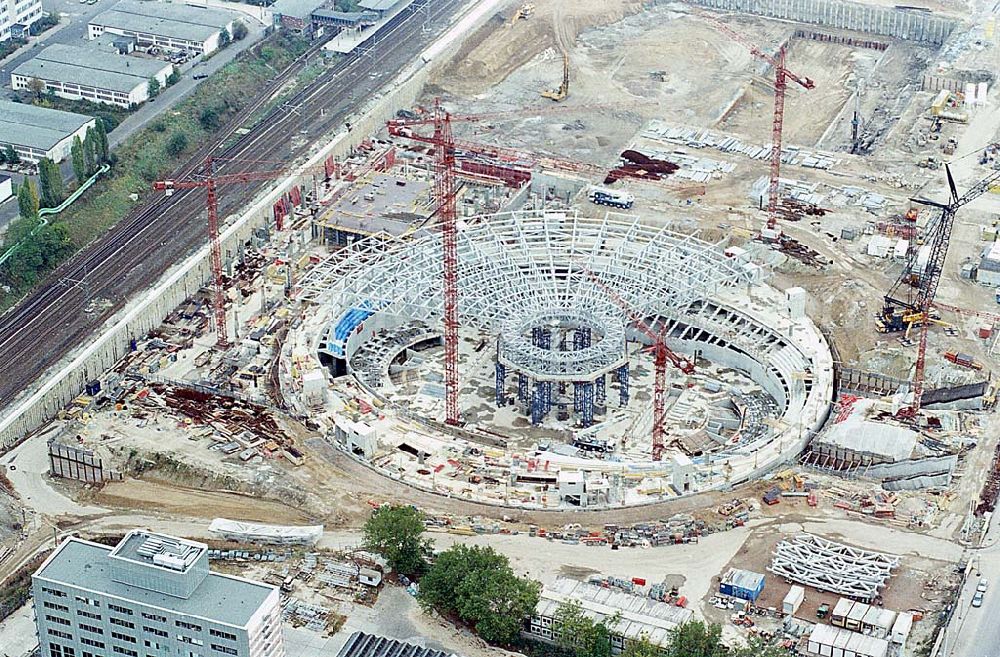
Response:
column 51, row 321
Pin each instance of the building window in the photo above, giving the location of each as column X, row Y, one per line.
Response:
column 55, row 650
column 91, row 628
column 125, row 651
column 88, row 614
column 120, row 610
column 225, row 649
column 88, row 601
column 60, row 634
column 154, row 617
column 57, row 619
column 122, row 623
column 123, row 637
column 54, row 592
column 154, row 630
column 57, row 607
column 87, row 641
column 187, row 639
column 221, row 634
column 188, row 626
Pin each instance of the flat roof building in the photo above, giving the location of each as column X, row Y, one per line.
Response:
column 99, row 76
column 150, row 593
column 17, row 17
column 165, row 25
column 638, row 616
column 37, row 132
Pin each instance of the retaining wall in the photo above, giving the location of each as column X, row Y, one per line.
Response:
column 907, row 24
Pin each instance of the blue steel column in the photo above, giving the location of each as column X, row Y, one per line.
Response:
column 522, row 387
column 548, row 396
column 599, row 391
column 501, row 384
column 536, row 404
column 576, row 398
column 622, row 376
column 587, row 402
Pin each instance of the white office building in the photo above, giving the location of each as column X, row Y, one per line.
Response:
column 150, row 595
column 165, row 26
column 16, row 16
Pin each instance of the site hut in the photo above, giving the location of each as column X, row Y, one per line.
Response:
column 742, row 584
column 37, row 132
column 151, row 593
column 17, row 17
column 989, row 266
column 638, row 616
column 165, row 26
column 793, row 600
column 829, row 641
column 76, row 72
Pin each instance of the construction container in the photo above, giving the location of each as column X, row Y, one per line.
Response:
column 792, row 601
column 985, row 332
column 93, row 387
column 742, row 584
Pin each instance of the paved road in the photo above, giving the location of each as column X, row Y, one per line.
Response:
column 975, row 632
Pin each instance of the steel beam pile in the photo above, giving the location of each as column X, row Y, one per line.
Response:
column 834, row 567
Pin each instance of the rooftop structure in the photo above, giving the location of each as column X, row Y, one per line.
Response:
column 165, row 25
column 360, row 644
column 37, row 132
column 639, row 616
column 80, row 72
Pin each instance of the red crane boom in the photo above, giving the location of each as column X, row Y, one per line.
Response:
column 781, row 77
column 661, row 354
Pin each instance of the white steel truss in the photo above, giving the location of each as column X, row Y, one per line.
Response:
column 828, row 566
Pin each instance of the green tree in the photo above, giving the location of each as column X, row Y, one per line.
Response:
column 79, row 163
column 153, row 88
column 100, row 142
column 3, row 156
column 27, row 200
column 479, row 586
column 39, row 249
column 224, row 38
column 642, row 647
column 396, row 533
column 758, row 647
column 51, row 183
column 578, row 634
column 11, row 155
column 37, row 88
column 696, row 639
column 174, row 77
column 176, row 144
column 90, row 155
column 209, row 118
column 239, row 31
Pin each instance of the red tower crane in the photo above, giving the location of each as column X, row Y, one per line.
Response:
column 661, row 354
column 781, row 77
column 444, row 192
column 210, row 182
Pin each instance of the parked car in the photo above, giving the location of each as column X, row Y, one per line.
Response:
column 977, row 599
column 983, row 585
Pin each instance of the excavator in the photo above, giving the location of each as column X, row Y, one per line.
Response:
column 559, row 95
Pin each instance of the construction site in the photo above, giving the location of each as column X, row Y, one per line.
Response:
column 716, row 274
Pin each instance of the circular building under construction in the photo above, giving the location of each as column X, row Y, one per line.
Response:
column 563, row 319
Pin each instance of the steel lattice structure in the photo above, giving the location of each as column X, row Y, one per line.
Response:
column 518, row 265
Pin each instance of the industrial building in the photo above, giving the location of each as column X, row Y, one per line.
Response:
column 17, row 17
column 150, row 592
column 635, row 616
column 166, row 26
column 37, row 132
column 76, row 72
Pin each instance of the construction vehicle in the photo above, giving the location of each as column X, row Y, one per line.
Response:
column 560, row 94
column 908, row 302
column 611, row 197
column 965, row 360
column 523, row 13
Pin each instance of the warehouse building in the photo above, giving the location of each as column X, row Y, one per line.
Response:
column 99, row 76
column 37, row 132
column 166, row 26
column 151, row 591
column 637, row 616
column 17, row 17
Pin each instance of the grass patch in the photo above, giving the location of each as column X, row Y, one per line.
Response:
column 111, row 115
column 152, row 153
